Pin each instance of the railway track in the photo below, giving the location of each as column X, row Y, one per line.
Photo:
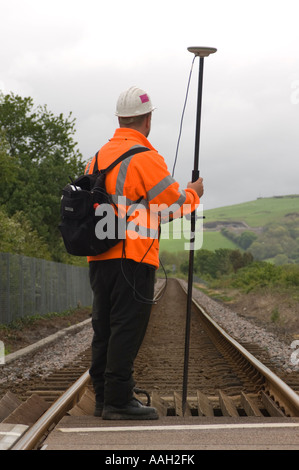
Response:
column 225, row 379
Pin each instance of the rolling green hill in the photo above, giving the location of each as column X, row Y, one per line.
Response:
column 267, row 227
column 256, row 213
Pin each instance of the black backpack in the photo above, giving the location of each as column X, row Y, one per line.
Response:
column 79, row 202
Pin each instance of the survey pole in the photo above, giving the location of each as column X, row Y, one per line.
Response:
column 201, row 52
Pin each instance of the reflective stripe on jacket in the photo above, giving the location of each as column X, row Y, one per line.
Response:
column 141, row 186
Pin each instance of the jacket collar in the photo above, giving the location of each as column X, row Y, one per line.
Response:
column 124, row 133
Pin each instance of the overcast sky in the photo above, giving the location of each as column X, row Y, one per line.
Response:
column 78, row 56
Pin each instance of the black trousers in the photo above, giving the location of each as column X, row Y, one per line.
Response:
column 121, row 310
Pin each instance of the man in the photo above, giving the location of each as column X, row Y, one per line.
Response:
column 122, row 279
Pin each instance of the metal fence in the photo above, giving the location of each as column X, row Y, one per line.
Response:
column 31, row 286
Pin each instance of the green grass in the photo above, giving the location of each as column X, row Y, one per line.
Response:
column 172, row 246
column 256, row 213
column 214, row 240
column 172, row 235
column 211, row 240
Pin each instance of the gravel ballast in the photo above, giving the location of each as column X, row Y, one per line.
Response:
column 56, row 354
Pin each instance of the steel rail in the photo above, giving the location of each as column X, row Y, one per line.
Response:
column 56, row 412
column 275, row 386
column 272, row 383
column 59, row 408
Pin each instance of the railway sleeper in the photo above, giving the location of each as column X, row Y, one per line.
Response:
column 27, row 412
column 222, row 404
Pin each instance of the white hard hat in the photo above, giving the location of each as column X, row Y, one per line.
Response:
column 133, row 102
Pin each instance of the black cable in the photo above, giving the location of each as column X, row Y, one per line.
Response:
column 182, row 118
column 139, row 297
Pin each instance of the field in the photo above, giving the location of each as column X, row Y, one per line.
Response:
column 256, row 213
column 211, row 241
column 251, row 215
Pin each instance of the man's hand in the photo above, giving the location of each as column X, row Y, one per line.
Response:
column 197, row 186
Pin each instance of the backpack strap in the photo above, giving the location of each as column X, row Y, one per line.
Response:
column 95, row 168
column 129, row 153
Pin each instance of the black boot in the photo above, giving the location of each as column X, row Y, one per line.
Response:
column 132, row 410
column 98, row 409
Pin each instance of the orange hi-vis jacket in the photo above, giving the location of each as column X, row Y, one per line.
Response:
column 143, row 177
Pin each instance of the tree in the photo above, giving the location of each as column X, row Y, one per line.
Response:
column 246, row 239
column 34, row 134
column 17, row 236
column 239, row 260
column 205, row 263
column 220, row 262
column 274, row 240
column 38, row 154
column 9, row 170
